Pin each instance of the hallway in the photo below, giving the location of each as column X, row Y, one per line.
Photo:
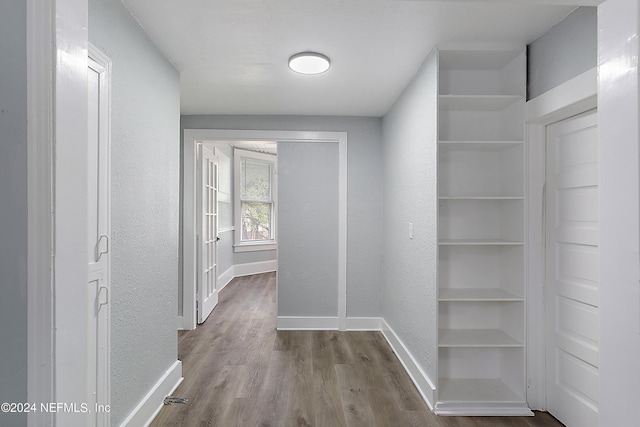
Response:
column 239, row 371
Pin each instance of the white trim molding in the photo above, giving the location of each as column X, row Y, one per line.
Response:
column 148, row 408
column 193, row 136
column 250, row 268
column 225, row 278
column 364, row 323
column 71, row 207
column 483, row 409
column 254, row 247
column 102, row 64
column 570, row 98
column 420, row 379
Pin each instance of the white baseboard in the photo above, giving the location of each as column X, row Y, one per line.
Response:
column 254, row 268
column 294, row 323
column 364, row 323
column 226, row 277
column 150, row 405
column 421, row 380
column 483, row 409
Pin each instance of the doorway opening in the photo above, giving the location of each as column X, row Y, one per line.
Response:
column 256, row 224
column 236, row 184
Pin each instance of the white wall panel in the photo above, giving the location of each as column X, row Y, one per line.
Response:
column 618, row 96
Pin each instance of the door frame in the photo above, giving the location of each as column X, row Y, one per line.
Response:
column 104, row 66
column 191, row 137
column 56, row 203
column 573, row 97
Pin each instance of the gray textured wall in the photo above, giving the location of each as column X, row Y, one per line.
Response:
column 364, row 216
column 254, row 256
column 13, row 208
column 145, row 155
column 225, row 251
column 410, row 289
column 308, row 239
column 565, row 51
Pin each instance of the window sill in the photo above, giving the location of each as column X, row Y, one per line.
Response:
column 251, row 247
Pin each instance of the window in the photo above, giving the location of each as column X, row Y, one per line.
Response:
column 255, row 199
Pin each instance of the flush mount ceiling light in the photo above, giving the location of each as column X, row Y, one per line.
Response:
column 309, row 63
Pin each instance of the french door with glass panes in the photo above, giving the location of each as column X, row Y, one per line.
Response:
column 207, row 232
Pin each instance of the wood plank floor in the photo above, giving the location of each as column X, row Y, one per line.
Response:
column 239, row 371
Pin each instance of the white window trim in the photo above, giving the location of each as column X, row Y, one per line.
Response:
column 268, row 245
column 239, row 245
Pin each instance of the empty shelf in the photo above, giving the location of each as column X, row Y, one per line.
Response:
column 479, row 242
column 476, row 390
column 476, row 338
column 478, row 294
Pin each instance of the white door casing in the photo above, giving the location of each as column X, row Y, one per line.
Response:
column 572, row 270
column 569, row 99
column 207, row 232
column 192, row 137
column 98, row 232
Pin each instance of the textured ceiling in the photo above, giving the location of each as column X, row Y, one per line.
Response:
column 232, row 54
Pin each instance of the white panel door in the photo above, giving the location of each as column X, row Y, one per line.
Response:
column 98, row 246
column 207, row 232
column 572, row 270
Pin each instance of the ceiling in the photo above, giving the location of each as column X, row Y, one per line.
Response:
column 232, row 54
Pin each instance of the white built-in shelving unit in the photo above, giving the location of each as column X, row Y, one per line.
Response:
column 481, row 223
